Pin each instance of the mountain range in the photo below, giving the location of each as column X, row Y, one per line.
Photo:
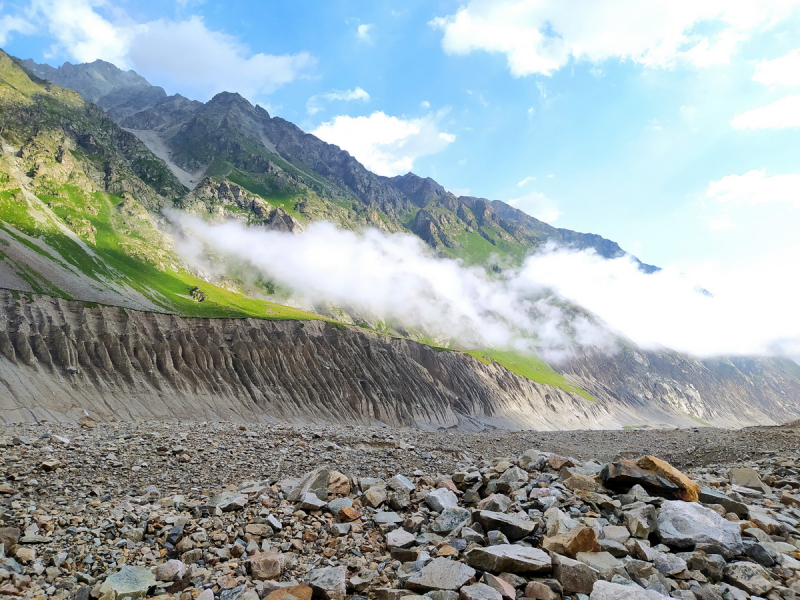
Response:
column 92, row 155
column 229, row 141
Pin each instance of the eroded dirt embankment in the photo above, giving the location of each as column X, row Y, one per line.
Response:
column 59, row 358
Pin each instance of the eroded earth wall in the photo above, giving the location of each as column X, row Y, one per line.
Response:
column 61, row 359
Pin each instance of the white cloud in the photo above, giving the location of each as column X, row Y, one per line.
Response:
column 754, row 202
column 185, row 54
column 13, row 24
column 752, row 311
column 777, row 115
column 83, row 33
column 425, row 104
column 526, row 181
column 755, row 187
column 544, row 36
column 384, row 144
column 393, row 276
column 314, row 105
column 784, row 70
column 537, row 205
column 364, row 32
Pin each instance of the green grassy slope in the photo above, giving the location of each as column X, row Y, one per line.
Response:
column 531, row 367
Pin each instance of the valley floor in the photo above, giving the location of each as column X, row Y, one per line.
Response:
column 205, row 511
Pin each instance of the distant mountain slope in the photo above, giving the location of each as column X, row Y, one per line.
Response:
column 229, row 140
column 80, row 202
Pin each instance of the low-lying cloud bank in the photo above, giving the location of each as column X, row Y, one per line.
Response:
column 395, row 277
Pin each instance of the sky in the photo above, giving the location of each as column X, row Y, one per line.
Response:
column 668, row 126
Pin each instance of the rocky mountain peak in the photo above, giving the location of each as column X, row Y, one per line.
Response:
column 420, row 190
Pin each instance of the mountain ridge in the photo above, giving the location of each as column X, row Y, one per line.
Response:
column 228, row 127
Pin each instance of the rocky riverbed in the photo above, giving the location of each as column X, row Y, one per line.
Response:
column 139, row 510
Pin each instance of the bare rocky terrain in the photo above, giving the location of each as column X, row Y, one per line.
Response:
column 59, row 358
column 242, row 512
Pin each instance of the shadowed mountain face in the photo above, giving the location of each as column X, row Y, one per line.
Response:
column 227, row 138
column 80, row 224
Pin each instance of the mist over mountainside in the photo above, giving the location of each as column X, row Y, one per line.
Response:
column 83, row 199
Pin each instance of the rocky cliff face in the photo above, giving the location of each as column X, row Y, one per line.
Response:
column 59, row 358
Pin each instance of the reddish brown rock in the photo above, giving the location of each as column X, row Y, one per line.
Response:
column 580, row 539
column 297, row 592
column 266, row 565
column 688, row 490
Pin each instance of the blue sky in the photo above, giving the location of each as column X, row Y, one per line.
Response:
column 669, row 127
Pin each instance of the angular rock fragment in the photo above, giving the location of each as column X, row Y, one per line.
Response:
column 604, row 590
column 227, row 501
column 328, row 582
column 640, row 521
column 510, row 558
column 440, row 499
column 315, row 482
column 580, row 539
column 441, row 574
column 687, row 524
column 513, row 527
column 711, row 496
column 688, row 490
column 624, row 474
column 749, row 577
column 747, row 477
column 574, row 576
column 266, row 565
column 129, row 583
column 479, row 591
column 450, row 519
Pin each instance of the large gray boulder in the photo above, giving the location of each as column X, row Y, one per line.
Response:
column 687, row 524
column 510, row 558
column 441, row 574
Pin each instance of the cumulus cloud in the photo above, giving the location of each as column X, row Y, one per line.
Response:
column 542, row 37
column 385, row 144
column 314, row 104
column 185, row 53
column 537, row 205
column 13, row 24
column 783, row 71
column 777, row 115
column 395, row 277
